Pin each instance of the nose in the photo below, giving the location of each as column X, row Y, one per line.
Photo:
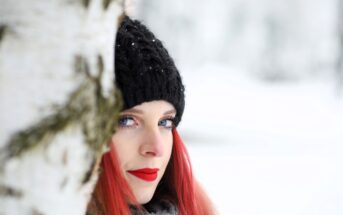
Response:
column 152, row 143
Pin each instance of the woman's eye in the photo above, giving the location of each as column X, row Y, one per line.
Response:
column 126, row 121
column 168, row 123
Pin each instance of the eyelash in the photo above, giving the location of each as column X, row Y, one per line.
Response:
column 126, row 118
column 172, row 119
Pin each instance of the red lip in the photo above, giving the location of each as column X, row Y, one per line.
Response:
column 147, row 174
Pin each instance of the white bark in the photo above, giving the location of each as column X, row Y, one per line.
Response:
column 56, row 76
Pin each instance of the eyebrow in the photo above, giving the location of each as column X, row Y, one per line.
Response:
column 170, row 112
column 138, row 111
column 133, row 110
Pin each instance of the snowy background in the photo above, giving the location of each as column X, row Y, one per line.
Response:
column 265, row 148
column 264, row 113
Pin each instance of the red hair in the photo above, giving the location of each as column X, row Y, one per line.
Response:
column 112, row 192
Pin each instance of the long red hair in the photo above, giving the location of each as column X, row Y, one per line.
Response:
column 112, row 193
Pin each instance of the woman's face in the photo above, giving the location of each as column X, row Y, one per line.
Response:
column 143, row 143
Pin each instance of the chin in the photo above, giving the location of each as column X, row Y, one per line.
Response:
column 144, row 197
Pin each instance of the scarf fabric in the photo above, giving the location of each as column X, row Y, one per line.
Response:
column 161, row 208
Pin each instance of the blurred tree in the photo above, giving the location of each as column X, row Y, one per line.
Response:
column 58, row 102
column 287, row 40
column 340, row 40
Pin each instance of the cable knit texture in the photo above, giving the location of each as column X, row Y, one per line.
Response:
column 144, row 70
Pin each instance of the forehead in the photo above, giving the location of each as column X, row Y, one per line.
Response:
column 152, row 107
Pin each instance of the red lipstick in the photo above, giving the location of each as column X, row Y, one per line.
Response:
column 147, row 174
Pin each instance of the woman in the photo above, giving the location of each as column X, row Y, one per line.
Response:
column 147, row 170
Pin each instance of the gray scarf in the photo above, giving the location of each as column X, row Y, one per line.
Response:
column 161, row 208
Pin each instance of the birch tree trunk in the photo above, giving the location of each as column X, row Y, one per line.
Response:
column 58, row 104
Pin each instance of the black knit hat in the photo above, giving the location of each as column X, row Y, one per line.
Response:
column 144, row 70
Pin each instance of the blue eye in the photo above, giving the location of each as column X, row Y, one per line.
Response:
column 168, row 123
column 126, row 121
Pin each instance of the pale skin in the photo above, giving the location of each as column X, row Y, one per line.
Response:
column 144, row 140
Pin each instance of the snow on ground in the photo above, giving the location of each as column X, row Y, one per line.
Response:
column 265, row 148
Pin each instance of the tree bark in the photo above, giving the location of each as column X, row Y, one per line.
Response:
column 58, row 103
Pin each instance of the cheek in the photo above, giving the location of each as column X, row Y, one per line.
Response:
column 168, row 141
column 125, row 147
